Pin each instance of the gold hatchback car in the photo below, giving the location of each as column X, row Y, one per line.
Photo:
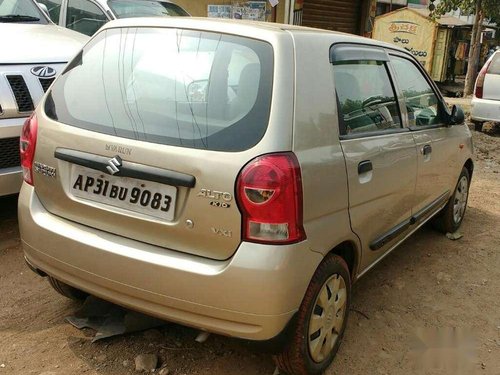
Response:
column 237, row 177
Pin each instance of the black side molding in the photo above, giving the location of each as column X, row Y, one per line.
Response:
column 127, row 169
column 390, row 235
column 430, row 207
column 417, row 217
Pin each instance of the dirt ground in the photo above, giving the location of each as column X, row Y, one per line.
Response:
column 430, row 283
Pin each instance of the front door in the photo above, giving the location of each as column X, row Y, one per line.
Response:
column 436, row 150
column 379, row 151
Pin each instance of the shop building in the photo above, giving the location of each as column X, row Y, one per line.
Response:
column 348, row 16
column 440, row 45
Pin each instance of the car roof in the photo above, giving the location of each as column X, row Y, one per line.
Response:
column 230, row 26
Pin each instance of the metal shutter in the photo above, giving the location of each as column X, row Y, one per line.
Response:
column 337, row 15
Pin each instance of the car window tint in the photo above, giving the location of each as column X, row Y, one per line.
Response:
column 422, row 104
column 494, row 67
column 84, row 17
column 200, row 90
column 366, row 97
column 54, row 7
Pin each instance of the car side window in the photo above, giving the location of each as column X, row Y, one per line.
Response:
column 366, row 98
column 84, row 17
column 54, row 7
column 423, row 106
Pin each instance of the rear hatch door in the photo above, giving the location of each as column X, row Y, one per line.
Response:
column 148, row 142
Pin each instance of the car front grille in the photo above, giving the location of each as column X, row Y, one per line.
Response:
column 46, row 82
column 21, row 93
column 9, row 153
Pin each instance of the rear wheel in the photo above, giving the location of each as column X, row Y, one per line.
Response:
column 450, row 218
column 321, row 322
column 66, row 290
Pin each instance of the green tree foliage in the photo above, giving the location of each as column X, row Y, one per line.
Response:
column 490, row 8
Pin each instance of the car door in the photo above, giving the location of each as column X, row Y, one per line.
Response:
column 434, row 139
column 84, row 16
column 379, row 151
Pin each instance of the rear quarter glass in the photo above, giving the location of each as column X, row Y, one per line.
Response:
column 175, row 87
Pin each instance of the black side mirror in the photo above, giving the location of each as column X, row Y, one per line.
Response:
column 457, row 116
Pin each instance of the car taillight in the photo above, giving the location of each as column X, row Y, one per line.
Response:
column 27, row 146
column 480, row 80
column 269, row 193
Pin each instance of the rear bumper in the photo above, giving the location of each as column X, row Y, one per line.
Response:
column 485, row 110
column 10, row 180
column 253, row 295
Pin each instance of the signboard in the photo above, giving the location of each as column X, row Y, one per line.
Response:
column 245, row 10
column 219, row 11
column 409, row 30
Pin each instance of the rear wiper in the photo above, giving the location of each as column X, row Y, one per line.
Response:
column 18, row 18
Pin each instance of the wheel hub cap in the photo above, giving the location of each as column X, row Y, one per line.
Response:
column 460, row 199
column 330, row 315
column 327, row 318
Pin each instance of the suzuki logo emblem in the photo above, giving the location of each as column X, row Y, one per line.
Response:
column 42, row 71
column 114, row 164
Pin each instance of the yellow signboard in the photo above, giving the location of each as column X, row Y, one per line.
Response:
column 409, row 30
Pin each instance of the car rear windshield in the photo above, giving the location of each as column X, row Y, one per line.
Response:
column 170, row 86
column 145, row 8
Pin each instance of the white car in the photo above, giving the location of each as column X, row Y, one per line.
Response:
column 486, row 100
column 87, row 16
column 33, row 52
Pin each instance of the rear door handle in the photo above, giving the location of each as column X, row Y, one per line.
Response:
column 365, row 166
column 427, row 150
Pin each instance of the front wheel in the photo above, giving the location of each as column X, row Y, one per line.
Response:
column 321, row 321
column 452, row 215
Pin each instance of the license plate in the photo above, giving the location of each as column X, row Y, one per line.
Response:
column 146, row 197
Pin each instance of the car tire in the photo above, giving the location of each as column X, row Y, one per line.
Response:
column 330, row 287
column 451, row 216
column 66, row 290
column 478, row 126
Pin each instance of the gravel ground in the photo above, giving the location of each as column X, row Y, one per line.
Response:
column 431, row 288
